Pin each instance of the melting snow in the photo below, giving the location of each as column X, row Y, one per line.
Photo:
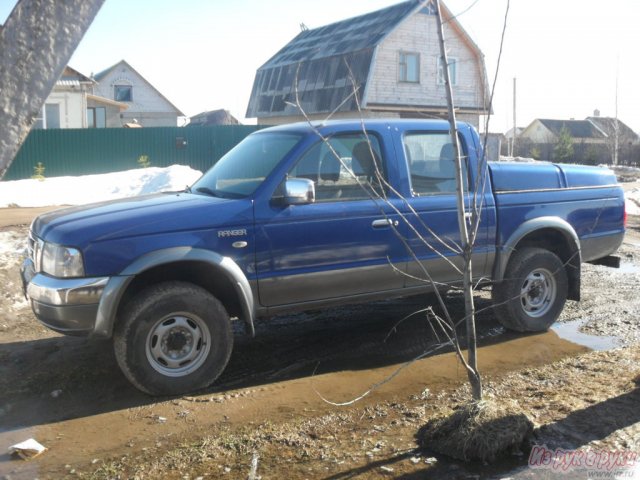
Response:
column 95, row 188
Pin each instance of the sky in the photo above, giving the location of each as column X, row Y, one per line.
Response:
column 567, row 55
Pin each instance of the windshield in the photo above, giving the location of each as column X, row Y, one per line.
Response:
column 240, row 172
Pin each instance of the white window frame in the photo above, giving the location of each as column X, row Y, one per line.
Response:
column 453, row 71
column 42, row 117
column 403, row 71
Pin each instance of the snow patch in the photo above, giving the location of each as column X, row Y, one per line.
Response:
column 95, row 188
column 633, row 201
column 12, row 246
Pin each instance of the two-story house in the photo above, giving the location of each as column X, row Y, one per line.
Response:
column 146, row 105
column 116, row 97
column 385, row 63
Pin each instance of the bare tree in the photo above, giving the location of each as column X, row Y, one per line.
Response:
column 471, row 364
column 36, row 43
column 469, row 207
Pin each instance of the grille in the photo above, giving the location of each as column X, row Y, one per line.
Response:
column 34, row 247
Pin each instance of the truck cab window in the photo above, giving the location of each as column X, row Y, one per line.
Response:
column 346, row 167
column 431, row 163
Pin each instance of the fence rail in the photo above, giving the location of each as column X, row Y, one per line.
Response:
column 90, row 151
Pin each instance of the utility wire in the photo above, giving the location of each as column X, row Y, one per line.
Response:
column 495, row 78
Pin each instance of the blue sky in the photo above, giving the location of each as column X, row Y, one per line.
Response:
column 203, row 54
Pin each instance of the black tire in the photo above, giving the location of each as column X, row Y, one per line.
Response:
column 173, row 338
column 533, row 292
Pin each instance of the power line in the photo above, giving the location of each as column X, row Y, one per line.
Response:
column 453, row 17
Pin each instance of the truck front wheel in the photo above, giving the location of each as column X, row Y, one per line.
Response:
column 173, row 338
column 533, row 292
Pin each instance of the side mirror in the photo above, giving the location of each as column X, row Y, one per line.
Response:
column 299, row 191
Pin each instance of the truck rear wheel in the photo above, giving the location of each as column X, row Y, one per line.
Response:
column 175, row 337
column 533, row 292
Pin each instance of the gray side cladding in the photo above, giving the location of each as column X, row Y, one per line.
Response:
column 324, row 61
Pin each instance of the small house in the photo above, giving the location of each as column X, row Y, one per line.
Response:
column 385, row 63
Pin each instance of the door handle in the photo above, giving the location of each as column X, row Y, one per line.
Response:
column 384, row 223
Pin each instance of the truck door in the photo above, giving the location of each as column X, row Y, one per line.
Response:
column 342, row 244
column 432, row 209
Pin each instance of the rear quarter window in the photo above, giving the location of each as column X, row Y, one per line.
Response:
column 431, row 162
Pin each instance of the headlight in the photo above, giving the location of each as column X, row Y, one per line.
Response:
column 60, row 261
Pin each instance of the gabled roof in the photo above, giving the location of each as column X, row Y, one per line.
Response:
column 71, row 76
column 100, row 75
column 576, row 128
column 608, row 126
column 345, row 36
column 214, row 117
column 323, row 60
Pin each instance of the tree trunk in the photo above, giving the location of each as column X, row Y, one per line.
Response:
column 467, row 278
column 36, row 43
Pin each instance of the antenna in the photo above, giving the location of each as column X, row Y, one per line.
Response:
column 303, row 27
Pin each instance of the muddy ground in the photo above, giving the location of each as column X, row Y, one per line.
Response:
column 267, row 412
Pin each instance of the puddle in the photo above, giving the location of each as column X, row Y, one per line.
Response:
column 77, row 441
column 571, row 331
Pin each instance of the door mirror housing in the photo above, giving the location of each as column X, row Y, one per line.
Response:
column 299, row 191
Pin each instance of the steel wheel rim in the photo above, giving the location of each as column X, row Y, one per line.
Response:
column 178, row 344
column 538, row 292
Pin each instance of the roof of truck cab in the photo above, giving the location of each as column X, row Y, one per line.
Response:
column 356, row 124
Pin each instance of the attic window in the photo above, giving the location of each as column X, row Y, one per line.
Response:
column 453, row 71
column 409, row 67
column 123, row 93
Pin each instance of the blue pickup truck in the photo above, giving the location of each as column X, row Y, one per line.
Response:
column 305, row 216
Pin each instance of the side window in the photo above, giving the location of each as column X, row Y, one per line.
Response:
column 353, row 172
column 431, row 162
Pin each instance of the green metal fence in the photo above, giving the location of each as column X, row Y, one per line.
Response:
column 89, row 151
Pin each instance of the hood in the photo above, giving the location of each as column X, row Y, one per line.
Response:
column 139, row 216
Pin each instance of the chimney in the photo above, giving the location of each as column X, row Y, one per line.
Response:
column 596, row 113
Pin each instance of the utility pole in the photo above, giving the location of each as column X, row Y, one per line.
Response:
column 36, row 42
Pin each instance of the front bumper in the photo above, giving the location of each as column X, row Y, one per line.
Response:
column 65, row 305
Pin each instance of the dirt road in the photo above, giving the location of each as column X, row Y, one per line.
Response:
column 13, row 217
column 69, row 394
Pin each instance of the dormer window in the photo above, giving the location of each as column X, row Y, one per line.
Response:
column 123, row 93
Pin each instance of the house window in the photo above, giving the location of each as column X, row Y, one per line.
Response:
column 409, row 67
column 38, row 123
column 123, row 93
column 52, row 115
column 49, row 117
column 96, row 117
column 453, row 71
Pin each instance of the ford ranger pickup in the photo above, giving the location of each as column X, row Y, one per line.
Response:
column 304, row 216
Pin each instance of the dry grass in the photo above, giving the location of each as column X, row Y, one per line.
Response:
column 478, row 431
